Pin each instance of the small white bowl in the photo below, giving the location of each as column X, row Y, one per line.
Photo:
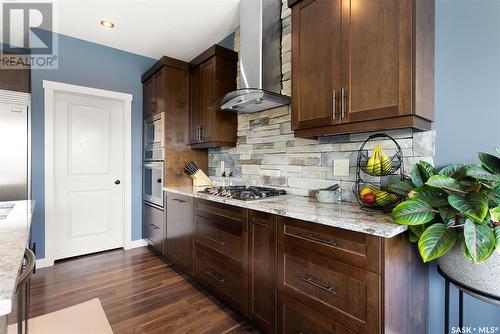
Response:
column 327, row 196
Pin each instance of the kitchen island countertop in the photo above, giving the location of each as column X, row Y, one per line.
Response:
column 15, row 225
column 343, row 215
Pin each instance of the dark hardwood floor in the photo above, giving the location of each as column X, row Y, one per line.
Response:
column 138, row 291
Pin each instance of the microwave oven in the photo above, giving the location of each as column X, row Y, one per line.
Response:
column 154, row 132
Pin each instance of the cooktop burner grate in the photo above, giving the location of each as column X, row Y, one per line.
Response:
column 244, row 192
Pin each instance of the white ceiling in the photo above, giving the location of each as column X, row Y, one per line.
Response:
column 177, row 28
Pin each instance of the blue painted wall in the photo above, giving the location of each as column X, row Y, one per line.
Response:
column 93, row 65
column 467, row 116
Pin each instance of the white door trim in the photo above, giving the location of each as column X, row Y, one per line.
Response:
column 50, row 88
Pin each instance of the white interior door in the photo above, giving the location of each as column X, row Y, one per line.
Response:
column 88, row 165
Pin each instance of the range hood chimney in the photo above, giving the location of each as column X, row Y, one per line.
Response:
column 260, row 59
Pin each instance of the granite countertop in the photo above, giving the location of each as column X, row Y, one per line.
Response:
column 343, row 215
column 15, row 223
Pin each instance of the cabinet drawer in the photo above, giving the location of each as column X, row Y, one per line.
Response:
column 359, row 249
column 154, row 226
column 219, row 238
column 348, row 294
column 295, row 317
column 232, row 216
column 222, row 279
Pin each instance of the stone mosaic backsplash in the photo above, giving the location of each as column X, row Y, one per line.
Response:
column 268, row 154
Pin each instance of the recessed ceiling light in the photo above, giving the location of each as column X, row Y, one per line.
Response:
column 107, row 24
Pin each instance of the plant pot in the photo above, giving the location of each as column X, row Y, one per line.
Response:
column 481, row 277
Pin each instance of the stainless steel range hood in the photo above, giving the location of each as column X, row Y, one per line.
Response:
column 260, row 59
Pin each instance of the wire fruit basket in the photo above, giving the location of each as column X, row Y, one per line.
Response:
column 374, row 173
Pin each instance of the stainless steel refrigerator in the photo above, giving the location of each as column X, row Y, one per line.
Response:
column 15, row 137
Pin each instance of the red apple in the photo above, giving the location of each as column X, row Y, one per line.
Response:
column 369, row 199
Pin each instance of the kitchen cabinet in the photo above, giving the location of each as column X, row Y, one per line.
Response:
column 296, row 317
column 288, row 276
column 153, row 224
column 262, row 293
column 180, row 227
column 220, row 251
column 18, row 80
column 148, row 98
column 352, row 281
column 376, row 72
column 154, row 93
column 166, row 90
column 213, row 74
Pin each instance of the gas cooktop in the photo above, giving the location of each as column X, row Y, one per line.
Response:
column 244, row 193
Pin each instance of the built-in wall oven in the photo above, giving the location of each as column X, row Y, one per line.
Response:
column 153, row 160
column 153, row 182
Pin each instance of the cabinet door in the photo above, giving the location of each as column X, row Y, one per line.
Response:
column 195, row 111
column 376, row 59
column 262, row 270
column 148, row 96
column 180, row 226
column 295, row 317
column 159, row 92
column 154, row 226
column 316, row 65
column 16, row 80
column 207, row 100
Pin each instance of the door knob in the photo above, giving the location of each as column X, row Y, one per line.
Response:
column 117, row 182
column 159, row 180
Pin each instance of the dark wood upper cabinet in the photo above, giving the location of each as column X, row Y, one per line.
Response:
column 262, row 293
column 18, row 80
column 376, row 72
column 148, row 98
column 316, row 63
column 166, row 89
column 159, row 92
column 213, row 74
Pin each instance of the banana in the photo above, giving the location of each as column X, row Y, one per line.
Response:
column 384, row 198
column 385, row 162
column 377, row 167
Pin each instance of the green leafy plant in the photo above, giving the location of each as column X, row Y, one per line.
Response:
column 459, row 203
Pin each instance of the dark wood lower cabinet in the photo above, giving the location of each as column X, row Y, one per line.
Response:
column 262, row 270
column 291, row 276
column 180, row 227
column 295, row 317
column 224, row 280
column 153, row 224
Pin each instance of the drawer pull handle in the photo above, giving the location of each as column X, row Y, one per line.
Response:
column 310, row 280
column 216, row 240
column 257, row 222
column 154, row 227
column 212, row 274
column 318, row 239
column 179, row 200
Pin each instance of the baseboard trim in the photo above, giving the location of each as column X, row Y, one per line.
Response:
column 42, row 263
column 135, row 244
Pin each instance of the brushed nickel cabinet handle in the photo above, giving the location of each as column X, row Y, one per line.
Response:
column 257, row 222
column 324, row 287
column 312, row 237
column 179, row 200
column 334, row 104
column 215, row 276
column 342, row 110
column 216, row 240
